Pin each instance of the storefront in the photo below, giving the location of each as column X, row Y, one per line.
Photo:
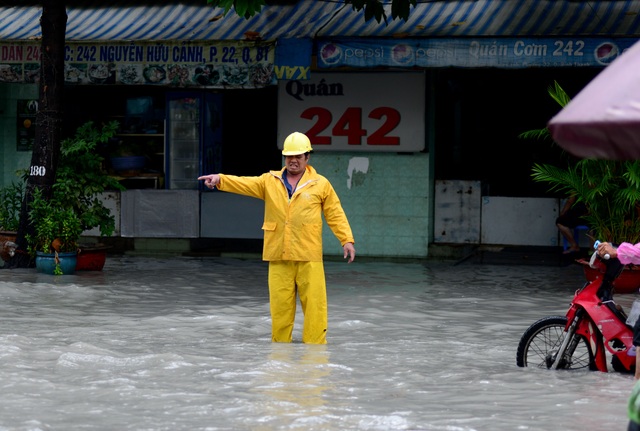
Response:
column 484, row 67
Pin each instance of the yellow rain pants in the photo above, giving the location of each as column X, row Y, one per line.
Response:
column 306, row 280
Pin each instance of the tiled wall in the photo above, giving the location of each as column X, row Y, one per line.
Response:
column 386, row 197
column 11, row 159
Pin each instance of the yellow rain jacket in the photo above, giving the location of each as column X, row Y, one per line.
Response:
column 293, row 228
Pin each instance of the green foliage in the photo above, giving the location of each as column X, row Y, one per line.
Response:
column 400, row 9
column 558, row 94
column 375, row 9
column 10, row 203
column 81, row 177
column 56, row 227
column 372, row 9
column 539, row 134
column 75, row 205
column 610, row 189
column 244, row 8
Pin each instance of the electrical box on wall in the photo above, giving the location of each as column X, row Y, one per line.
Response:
column 519, row 221
column 457, row 212
column 160, row 213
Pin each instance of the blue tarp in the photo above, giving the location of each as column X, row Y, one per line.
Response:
column 323, row 18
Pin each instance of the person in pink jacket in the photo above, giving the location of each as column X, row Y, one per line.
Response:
column 628, row 253
column 296, row 198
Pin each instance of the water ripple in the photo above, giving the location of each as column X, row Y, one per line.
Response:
column 185, row 344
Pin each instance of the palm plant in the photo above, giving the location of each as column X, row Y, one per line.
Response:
column 558, row 94
column 610, row 189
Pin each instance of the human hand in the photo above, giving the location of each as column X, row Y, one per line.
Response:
column 606, row 248
column 349, row 251
column 210, row 180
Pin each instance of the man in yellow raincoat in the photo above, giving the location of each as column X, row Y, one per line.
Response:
column 296, row 197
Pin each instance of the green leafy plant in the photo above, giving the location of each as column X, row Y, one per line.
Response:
column 75, row 204
column 610, row 189
column 244, row 8
column 557, row 93
column 81, row 177
column 57, row 227
column 375, row 9
column 372, row 8
column 11, row 197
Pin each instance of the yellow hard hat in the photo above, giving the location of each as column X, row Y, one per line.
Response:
column 296, row 143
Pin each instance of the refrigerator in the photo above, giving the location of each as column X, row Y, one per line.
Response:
column 194, row 138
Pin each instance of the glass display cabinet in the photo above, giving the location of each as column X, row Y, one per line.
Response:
column 193, row 138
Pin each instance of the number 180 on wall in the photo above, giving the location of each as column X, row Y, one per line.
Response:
column 355, row 111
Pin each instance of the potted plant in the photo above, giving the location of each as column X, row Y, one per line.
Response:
column 10, row 203
column 57, row 230
column 81, row 177
column 610, row 190
column 75, row 203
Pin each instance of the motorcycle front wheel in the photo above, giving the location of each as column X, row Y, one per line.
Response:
column 539, row 346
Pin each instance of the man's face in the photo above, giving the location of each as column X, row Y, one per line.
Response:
column 296, row 164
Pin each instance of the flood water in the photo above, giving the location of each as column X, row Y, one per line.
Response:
column 185, row 344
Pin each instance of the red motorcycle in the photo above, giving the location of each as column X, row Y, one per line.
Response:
column 593, row 326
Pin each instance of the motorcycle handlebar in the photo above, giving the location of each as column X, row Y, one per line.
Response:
column 607, row 256
column 613, row 270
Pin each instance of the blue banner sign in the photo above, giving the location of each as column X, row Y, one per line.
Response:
column 218, row 64
column 508, row 53
column 293, row 59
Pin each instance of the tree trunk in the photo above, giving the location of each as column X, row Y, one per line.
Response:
column 48, row 128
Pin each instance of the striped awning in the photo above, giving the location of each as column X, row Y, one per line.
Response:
column 332, row 18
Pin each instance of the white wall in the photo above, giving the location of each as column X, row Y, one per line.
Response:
column 519, row 221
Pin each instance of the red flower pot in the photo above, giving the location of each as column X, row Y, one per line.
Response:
column 627, row 282
column 91, row 258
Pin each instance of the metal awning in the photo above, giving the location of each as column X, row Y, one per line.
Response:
column 332, row 18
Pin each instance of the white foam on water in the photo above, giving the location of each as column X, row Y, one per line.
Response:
column 185, row 344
